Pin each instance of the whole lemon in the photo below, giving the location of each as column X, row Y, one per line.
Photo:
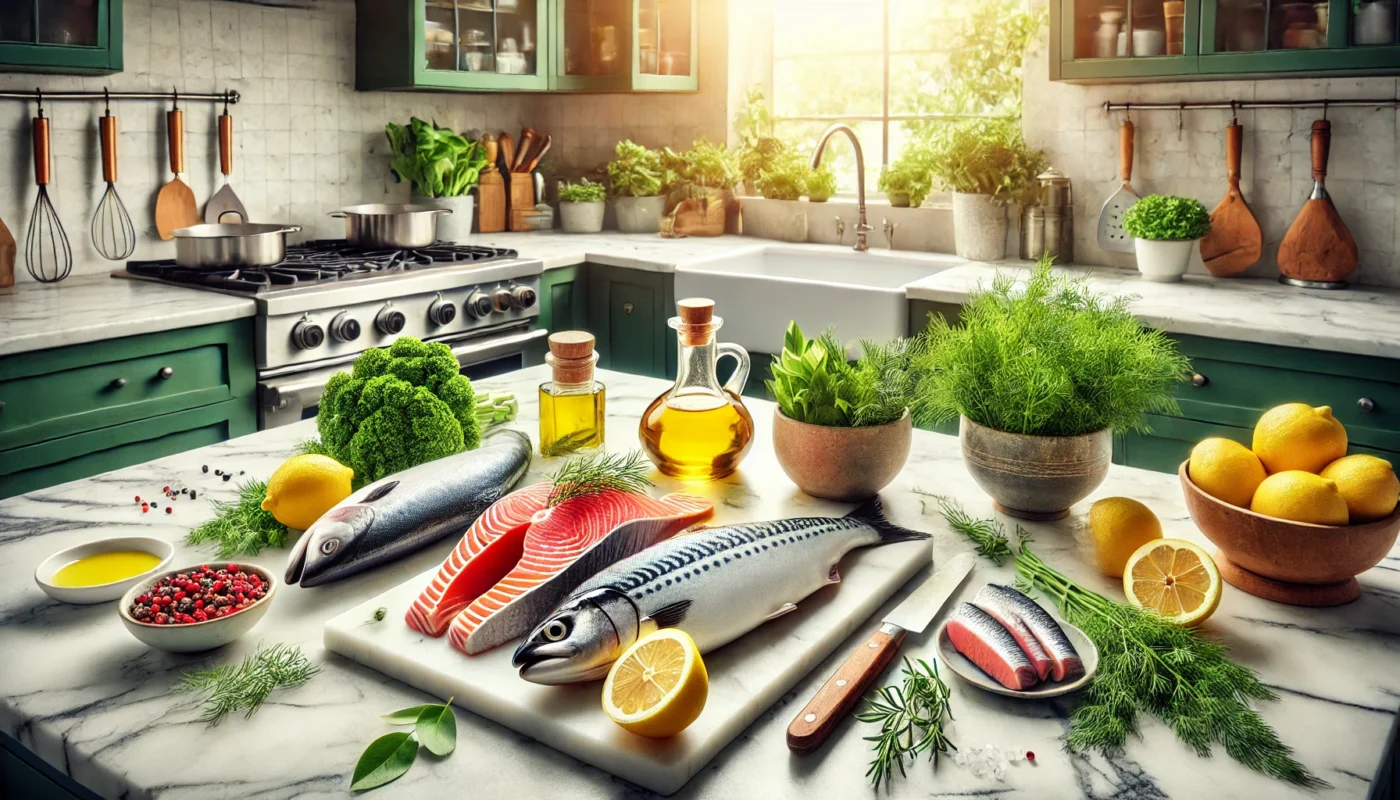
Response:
column 1298, row 436
column 1367, row 483
column 1301, row 497
column 304, row 488
column 1226, row 470
column 1119, row 526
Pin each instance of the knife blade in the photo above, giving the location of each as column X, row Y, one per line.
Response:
column 818, row 718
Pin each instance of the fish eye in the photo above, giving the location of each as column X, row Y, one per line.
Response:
column 329, row 546
column 556, row 630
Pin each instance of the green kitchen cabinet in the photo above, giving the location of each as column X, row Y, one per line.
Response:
column 623, row 45
column 564, row 299
column 71, row 37
column 627, row 312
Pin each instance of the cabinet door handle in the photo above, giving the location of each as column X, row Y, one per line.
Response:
column 165, row 373
column 1366, row 404
column 117, row 383
column 1198, row 380
column 628, row 308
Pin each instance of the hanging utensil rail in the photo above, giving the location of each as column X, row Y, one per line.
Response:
column 1245, row 105
column 229, row 96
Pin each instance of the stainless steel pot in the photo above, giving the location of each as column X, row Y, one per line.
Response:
column 390, row 225
column 221, row 246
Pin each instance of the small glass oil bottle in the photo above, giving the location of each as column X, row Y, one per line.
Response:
column 572, row 406
column 698, row 429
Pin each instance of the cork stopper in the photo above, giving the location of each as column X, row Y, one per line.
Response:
column 571, row 356
column 697, row 317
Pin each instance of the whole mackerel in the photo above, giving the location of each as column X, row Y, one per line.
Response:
column 409, row 510
column 715, row 584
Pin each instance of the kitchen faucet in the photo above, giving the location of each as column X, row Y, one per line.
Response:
column 862, row 227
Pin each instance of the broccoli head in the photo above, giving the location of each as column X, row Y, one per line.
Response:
column 398, row 408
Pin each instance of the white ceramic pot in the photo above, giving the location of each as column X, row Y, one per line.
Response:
column 1163, row 261
column 454, row 227
column 582, row 217
column 784, row 220
column 640, row 214
column 979, row 227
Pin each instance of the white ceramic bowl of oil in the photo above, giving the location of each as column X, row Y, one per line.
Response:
column 94, row 558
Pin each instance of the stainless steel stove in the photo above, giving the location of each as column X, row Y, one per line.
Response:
column 327, row 302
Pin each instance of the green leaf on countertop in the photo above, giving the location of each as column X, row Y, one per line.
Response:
column 241, row 527
column 407, row 716
column 436, row 728
column 386, row 758
column 245, row 686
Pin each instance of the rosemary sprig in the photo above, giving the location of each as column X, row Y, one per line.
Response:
column 600, row 472
column 244, row 687
column 568, row 444
column 242, row 527
column 988, row 534
column 911, row 720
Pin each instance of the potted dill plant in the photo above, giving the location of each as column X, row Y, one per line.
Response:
column 1166, row 230
column 842, row 429
column 986, row 165
column 637, row 179
column 779, row 214
column 581, row 206
column 1041, row 372
column 442, row 167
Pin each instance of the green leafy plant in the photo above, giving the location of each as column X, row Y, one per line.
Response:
column 786, row 178
column 755, row 158
column 705, row 164
column 244, row 687
column 242, row 527
column 909, row 174
column 753, row 121
column 1161, row 217
column 983, row 71
column 986, row 156
column 438, row 162
column 911, row 717
column 391, row 755
column 636, row 171
column 814, row 383
column 600, row 472
column 585, row 191
column 1048, row 358
column 821, row 184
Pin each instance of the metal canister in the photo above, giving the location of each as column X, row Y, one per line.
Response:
column 1055, row 190
column 1048, row 228
column 1032, row 233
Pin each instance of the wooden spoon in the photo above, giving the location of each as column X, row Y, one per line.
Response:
column 7, row 256
column 507, row 146
column 1318, row 247
column 534, row 158
column 1235, row 241
column 175, row 206
column 522, row 150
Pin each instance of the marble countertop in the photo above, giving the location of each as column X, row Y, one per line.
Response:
column 88, row 698
column 644, row 251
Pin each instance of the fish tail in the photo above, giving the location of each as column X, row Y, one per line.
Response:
column 872, row 513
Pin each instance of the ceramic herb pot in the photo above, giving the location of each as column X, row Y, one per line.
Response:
column 1164, row 261
column 582, row 217
column 454, row 227
column 845, row 464
column 979, row 227
column 640, row 214
column 1035, row 477
column 898, row 199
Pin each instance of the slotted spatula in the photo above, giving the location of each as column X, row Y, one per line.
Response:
column 175, row 206
column 225, row 206
column 1111, row 233
column 1235, row 242
column 1318, row 251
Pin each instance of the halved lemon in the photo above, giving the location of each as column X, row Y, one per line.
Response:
column 659, row 685
column 1175, row 578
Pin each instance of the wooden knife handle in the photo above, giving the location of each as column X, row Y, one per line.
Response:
column 107, row 130
column 41, row 150
column 175, row 123
column 815, row 722
column 225, row 144
column 1321, row 144
column 1125, row 150
column 1234, row 146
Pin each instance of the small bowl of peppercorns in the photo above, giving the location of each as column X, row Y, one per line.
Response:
column 198, row 608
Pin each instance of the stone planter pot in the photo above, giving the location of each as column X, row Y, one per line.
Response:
column 582, row 217
column 640, row 214
column 784, row 220
column 1164, row 261
column 898, row 199
column 1035, row 477
column 454, row 227
column 979, row 227
column 845, row 464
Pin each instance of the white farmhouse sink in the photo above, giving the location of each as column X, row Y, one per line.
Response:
column 758, row 291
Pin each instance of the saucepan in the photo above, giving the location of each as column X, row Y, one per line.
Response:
column 390, row 225
column 231, row 246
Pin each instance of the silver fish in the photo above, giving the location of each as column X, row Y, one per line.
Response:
column 1003, row 600
column 408, row 510
column 715, row 585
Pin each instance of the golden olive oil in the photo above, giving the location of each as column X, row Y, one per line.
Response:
column 571, row 420
column 697, row 437
column 101, row 568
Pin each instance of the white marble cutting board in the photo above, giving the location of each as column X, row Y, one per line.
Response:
column 746, row 676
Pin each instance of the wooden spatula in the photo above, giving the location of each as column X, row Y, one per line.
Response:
column 507, row 147
column 7, row 256
column 1235, row 241
column 522, row 150
column 1318, row 248
column 175, row 206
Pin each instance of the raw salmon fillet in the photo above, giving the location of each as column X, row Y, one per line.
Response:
column 991, row 647
column 489, row 549
column 564, row 546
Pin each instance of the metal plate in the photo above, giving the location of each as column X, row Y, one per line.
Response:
column 1111, row 234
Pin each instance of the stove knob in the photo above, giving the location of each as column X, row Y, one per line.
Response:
column 442, row 311
column 389, row 320
column 478, row 305
column 345, row 328
column 307, row 335
column 523, row 296
column 502, row 301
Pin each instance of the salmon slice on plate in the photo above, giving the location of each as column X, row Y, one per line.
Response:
column 991, row 647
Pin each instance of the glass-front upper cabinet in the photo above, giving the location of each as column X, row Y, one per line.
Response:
column 452, row 44
column 1296, row 36
column 1127, row 38
column 64, row 36
column 591, row 44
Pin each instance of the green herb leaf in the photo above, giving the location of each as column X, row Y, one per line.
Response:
column 242, row 527
column 911, row 718
column 386, row 758
column 600, row 472
column 244, row 687
column 436, row 728
column 407, row 716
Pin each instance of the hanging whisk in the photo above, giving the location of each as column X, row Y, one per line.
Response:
column 47, row 255
column 112, row 232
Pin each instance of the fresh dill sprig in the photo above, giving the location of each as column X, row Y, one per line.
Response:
column 241, row 527
column 244, row 687
column 600, row 472
column 569, row 444
column 911, row 720
column 312, row 447
column 988, row 534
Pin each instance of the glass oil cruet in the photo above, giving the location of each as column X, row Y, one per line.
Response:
column 698, row 429
column 573, row 404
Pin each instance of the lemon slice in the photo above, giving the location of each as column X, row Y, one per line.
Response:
column 659, row 686
column 1175, row 578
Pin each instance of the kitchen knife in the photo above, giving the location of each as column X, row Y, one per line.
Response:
column 815, row 722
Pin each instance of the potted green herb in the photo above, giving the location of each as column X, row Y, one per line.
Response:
column 706, row 175
column 1041, row 374
column 1165, row 231
column 758, row 147
column 581, row 206
column 986, row 164
column 442, row 167
column 637, row 179
column 821, row 184
column 779, row 214
column 907, row 180
column 841, row 430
